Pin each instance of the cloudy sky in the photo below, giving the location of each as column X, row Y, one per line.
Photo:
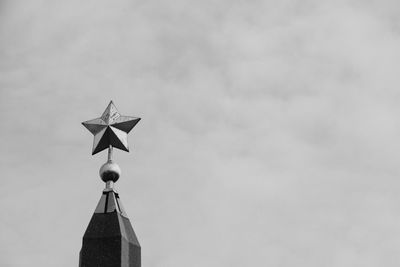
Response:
column 270, row 130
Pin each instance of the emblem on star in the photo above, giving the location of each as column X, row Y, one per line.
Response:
column 110, row 129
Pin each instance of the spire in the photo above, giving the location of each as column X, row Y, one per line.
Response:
column 109, row 240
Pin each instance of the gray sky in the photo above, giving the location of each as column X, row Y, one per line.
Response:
column 270, row 130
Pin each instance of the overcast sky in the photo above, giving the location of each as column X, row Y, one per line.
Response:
column 270, row 130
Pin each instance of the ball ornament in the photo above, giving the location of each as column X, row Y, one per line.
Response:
column 110, row 171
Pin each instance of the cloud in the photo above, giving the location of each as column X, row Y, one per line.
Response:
column 269, row 131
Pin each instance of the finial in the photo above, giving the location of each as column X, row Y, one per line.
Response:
column 110, row 130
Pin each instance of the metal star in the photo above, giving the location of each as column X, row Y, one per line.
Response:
column 110, row 129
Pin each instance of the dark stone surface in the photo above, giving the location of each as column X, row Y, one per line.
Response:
column 110, row 241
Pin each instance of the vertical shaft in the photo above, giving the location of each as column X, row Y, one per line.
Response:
column 110, row 152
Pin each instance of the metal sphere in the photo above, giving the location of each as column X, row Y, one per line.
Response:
column 110, row 171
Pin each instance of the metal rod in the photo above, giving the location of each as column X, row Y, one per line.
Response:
column 110, row 152
column 109, row 185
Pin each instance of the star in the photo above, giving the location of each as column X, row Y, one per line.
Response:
column 110, row 129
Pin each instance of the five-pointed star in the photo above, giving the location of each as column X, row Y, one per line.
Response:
column 110, row 129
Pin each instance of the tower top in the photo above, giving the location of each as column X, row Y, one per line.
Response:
column 109, row 239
